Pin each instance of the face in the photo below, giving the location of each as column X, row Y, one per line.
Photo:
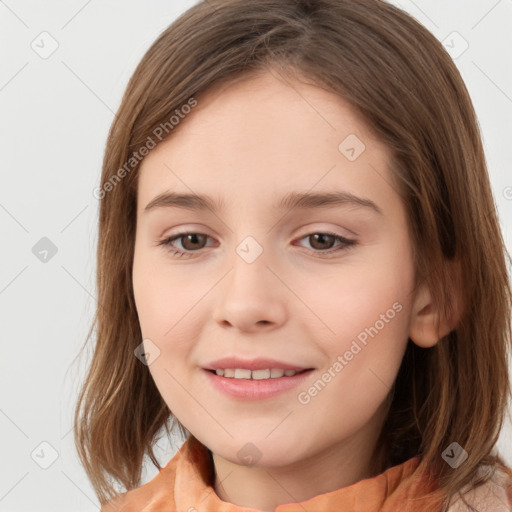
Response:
column 322, row 285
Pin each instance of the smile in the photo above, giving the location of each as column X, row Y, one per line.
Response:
column 242, row 373
column 243, row 384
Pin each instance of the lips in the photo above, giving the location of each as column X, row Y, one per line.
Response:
column 253, row 364
column 255, row 389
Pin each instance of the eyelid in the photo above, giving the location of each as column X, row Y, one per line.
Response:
column 309, row 230
column 344, row 245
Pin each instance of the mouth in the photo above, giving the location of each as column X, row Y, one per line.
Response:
column 243, row 384
column 262, row 374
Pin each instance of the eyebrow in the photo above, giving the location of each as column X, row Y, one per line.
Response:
column 292, row 200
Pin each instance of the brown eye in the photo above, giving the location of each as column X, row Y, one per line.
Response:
column 190, row 241
column 322, row 240
column 320, row 243
column 324, row 244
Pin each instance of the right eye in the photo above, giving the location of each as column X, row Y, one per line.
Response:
column 189, row 240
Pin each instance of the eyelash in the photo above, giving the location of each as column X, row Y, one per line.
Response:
column 346, row 244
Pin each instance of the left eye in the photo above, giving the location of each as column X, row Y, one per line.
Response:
column 189, row 241
column 320, row 239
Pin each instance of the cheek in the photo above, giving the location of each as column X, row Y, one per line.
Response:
column 361, row 363
column 165, row 307
column 366, row 308
column 353, row 296
column 164, row 296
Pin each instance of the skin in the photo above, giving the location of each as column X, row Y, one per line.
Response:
column 249, row 144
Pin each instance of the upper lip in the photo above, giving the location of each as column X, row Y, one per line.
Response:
column 252, row 364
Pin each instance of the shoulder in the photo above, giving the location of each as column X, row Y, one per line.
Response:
column 493, row 496
column 137, row 499
column 155, row 495
column 188, row 468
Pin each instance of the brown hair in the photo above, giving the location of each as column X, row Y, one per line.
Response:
column 399, row 78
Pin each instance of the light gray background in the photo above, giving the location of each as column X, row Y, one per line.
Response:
column 56, row 112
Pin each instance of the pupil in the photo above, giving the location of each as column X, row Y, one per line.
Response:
column 193, row 237
column 322, row 237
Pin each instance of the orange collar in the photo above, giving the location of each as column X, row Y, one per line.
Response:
column 185, row 483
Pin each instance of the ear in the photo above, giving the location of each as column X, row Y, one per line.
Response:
column 428, row 325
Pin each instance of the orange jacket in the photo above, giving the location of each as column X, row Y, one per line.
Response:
column 185, row 485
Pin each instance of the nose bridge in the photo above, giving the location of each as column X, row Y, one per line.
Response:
column 250, row 250
column 250, row 273
column 258, row 248
column 251, row 294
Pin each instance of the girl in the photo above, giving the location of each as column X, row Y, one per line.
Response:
column 300, row 264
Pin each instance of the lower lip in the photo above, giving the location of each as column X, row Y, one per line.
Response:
column 250, row 389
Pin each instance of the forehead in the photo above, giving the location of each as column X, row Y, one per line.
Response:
column 268, row 109
column 261, row 135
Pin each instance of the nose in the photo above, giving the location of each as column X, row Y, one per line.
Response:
column 251, row 297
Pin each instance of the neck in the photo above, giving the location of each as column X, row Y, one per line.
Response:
column 332, row 468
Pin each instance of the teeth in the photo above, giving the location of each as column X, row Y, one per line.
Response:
column 242, row 373
column 260, row 374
